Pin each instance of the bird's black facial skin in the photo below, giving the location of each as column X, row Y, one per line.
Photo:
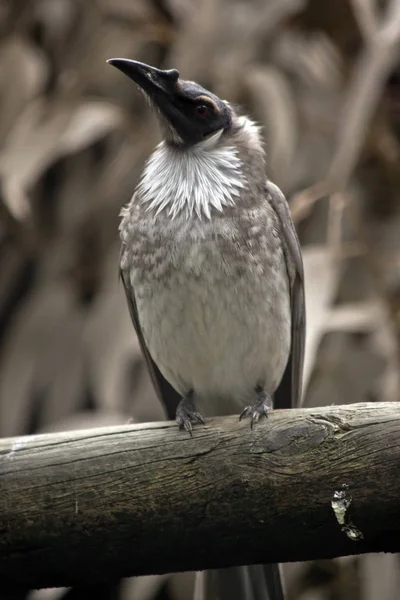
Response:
column 191, row 112
column 196, row 113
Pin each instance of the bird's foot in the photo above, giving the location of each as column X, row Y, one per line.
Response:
column 186, row 413
column 259, row 409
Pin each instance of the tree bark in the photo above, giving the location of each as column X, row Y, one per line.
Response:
column 97, row 505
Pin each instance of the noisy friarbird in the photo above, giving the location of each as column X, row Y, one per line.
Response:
column 213, row 275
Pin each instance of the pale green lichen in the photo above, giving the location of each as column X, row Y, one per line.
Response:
column 352, row 532
column 340, row 504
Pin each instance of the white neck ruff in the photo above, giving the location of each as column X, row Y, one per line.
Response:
column 193, row 180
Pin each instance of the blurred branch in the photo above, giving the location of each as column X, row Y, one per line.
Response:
column 273, row 14
column 367, row 18
column 337, row 203
column 303, row 202
column 381, row 53
column 95, row 505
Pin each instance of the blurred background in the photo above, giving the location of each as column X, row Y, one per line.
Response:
column 323, row 78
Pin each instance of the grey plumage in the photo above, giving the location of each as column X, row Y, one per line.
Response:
column 212, row 295
column 212, row 271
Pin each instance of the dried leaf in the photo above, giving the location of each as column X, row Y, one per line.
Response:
column 322, row 272
column 380, row 576
column 85, row 420
column 142, row 588
column 44, row 133
column 23, row 73
column 89, row 122
column 48, row 594
column 42, row 367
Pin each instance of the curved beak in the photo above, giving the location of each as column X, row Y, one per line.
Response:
column 161, row 88
column 167, row 94
column 153, row 81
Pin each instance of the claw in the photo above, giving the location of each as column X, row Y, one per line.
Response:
column 186, row 414
column 260, row 409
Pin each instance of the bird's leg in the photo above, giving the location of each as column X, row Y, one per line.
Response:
column 260, row 408
column 186, row 413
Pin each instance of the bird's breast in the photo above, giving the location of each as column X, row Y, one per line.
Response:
column 214, row 310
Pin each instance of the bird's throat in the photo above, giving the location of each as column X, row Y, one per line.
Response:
column 195, row 181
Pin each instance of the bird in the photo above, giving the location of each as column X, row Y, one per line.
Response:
column 212, row 270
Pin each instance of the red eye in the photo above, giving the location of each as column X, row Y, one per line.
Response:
column 202, row 110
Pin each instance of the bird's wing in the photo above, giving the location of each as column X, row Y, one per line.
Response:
column 291, row 384
column 168, row 396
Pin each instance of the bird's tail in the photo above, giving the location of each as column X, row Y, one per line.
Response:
column 255, row 582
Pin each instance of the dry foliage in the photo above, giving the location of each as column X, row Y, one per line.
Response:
column 74, row 134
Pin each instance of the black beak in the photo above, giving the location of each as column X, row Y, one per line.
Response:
column 155, row 82
column 160, row 86
column 173, row 98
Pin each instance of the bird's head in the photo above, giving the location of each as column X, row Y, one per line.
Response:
column 188, row 113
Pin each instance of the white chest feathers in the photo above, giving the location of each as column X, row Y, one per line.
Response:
column 192, row 180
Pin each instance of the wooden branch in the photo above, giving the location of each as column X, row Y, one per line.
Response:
column 94, row 505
